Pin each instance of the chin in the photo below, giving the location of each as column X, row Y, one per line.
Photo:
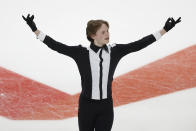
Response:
column 106, row 42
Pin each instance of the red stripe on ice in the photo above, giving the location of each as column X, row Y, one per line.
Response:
column 22, row 98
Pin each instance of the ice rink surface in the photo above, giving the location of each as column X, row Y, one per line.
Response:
column 171, row 112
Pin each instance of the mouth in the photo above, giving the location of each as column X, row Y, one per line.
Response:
column 107, row 38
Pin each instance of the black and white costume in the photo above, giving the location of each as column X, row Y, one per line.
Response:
column 96, row 67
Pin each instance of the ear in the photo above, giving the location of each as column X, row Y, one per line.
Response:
column 93, row 36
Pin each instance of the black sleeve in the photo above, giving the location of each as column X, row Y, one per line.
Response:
column 124, row 49
column 72, row 51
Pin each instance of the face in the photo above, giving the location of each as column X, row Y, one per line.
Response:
column 102, row 36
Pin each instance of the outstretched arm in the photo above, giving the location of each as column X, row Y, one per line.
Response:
column 72, row 51
column 124, row 49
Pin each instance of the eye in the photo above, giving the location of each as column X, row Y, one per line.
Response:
column 104, row 32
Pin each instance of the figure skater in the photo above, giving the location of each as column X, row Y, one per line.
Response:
column 96, row 64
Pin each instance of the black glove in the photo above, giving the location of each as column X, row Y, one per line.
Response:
column 169, row 25
column 30, row 22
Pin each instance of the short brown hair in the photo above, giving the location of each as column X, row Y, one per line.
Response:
column 93, row 26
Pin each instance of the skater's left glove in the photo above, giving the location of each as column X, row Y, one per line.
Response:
column 170, row 23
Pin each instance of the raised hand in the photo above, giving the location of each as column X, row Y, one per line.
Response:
column 30, row 22
column 170, row 23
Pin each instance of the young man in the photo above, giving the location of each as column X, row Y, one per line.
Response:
column 97, row 64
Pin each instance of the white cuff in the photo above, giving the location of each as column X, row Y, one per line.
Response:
column 41, row 36
column 157, row 35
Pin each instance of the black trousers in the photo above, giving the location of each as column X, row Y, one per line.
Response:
column 95, row 114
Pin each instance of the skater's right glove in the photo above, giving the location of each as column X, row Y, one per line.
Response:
column 30, row 22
